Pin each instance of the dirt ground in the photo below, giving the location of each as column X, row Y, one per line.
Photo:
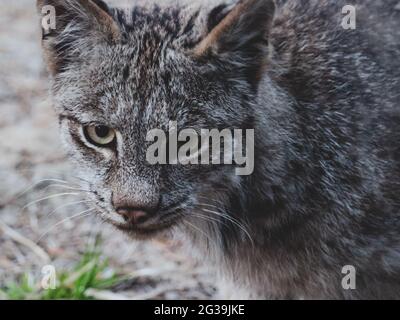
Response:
column 36, row 233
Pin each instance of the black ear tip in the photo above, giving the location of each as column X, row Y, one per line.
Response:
column 102, row 5
column 265, row 6
column 40, row 4
column 45, row 35
column 271, row 6
column 216, row 15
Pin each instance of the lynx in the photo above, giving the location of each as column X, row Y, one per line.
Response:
column 324, row 104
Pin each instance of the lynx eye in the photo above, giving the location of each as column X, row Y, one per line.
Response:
column 101, row 136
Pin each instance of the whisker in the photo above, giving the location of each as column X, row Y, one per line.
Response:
column 213, row 221
column 231, row 219
column 37, row 183
column 219, row 213
column 176, row 208
column 56, row 173
column 214, row 200
column 209, row 205
column 50, row 197
column 207, row 218
column 81, row 214
column 66, row 205
column 200, row 231
column 67, row 187
column 49, row 171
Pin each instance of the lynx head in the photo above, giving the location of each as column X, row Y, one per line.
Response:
column 116, row 74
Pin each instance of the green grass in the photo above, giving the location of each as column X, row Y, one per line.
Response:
column 91, row 272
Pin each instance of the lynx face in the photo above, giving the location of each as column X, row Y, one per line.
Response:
column 118, row 74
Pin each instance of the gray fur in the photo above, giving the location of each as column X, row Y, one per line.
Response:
column 325, row 106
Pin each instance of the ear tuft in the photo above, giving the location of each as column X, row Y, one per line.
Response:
column 247, row 24
column 240, row 37
column 77, row 22
column 216, row 15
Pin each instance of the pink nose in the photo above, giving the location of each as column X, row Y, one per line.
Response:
column 133, row 215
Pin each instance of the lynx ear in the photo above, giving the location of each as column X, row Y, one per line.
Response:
column 78, row 24
column 239, row 34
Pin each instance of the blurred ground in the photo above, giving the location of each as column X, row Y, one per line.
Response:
column 42, row 232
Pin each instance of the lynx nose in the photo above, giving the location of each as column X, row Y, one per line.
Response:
column 136, row 207
column 133, row 215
